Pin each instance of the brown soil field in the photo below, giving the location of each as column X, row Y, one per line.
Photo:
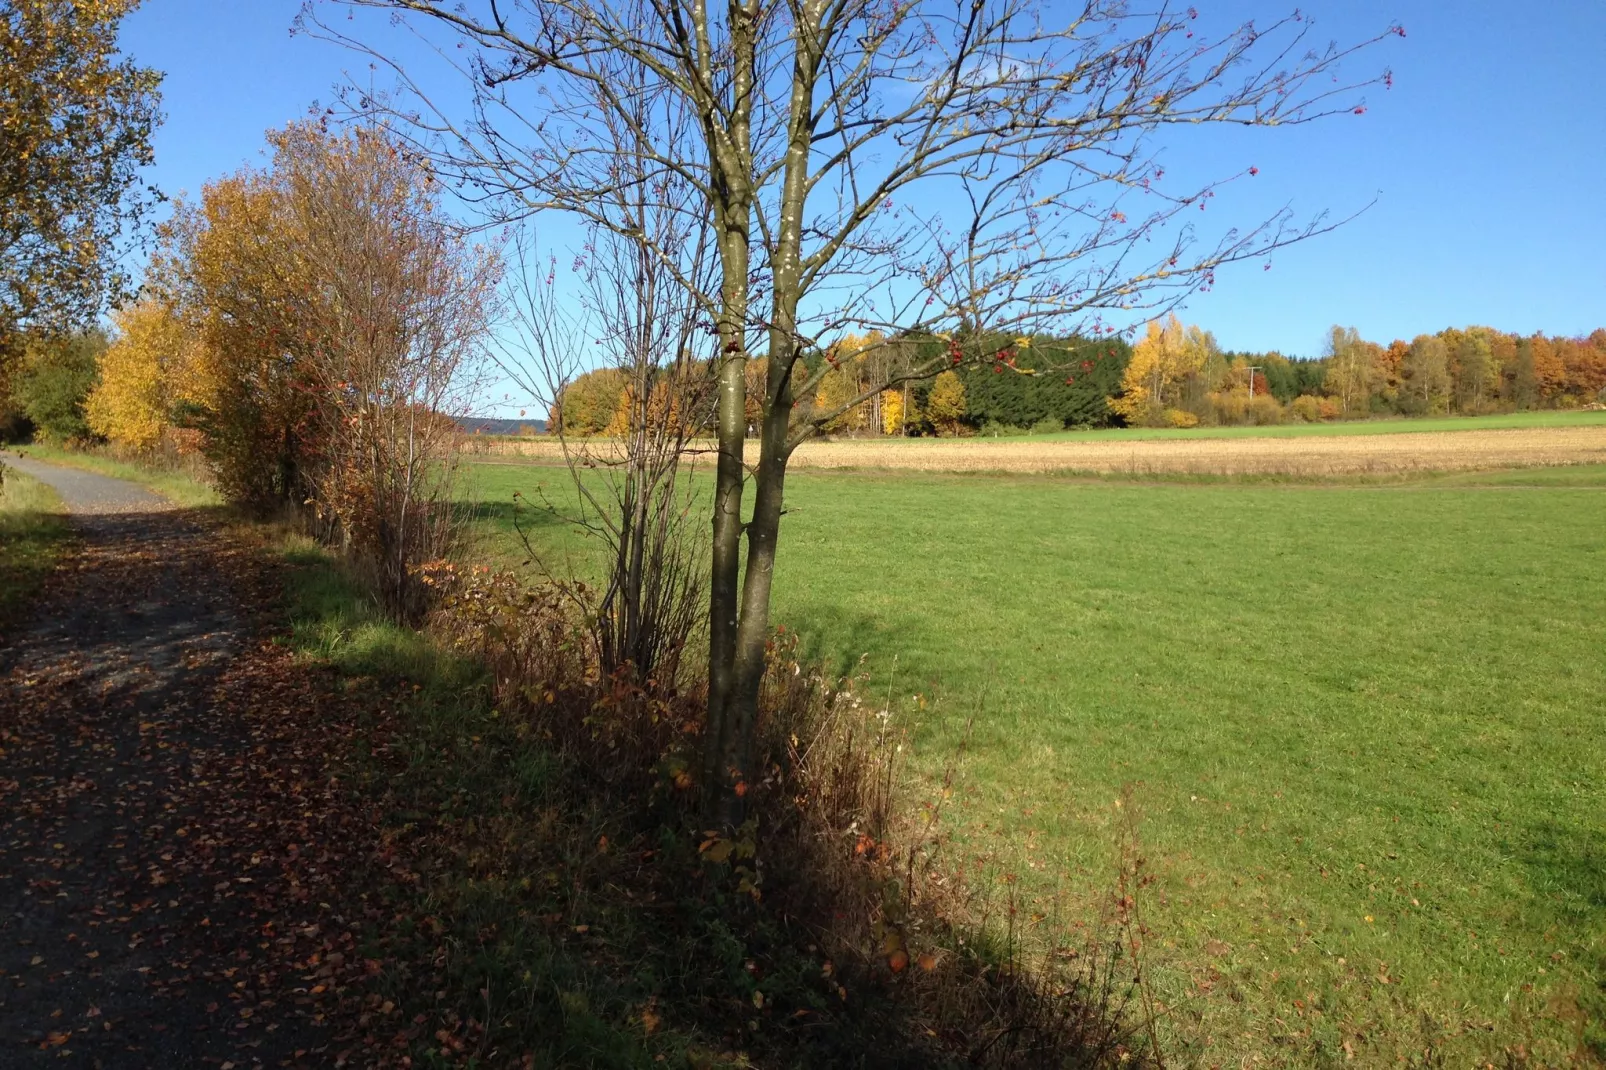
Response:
column 1311, row 456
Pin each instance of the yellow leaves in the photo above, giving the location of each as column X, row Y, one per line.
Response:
column 141, row 374
column 945, row 406
column 1166, row 357
column 892, row 412
column 837, row 389
column 717, row 849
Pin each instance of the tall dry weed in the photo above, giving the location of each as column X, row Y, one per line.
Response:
column 845, row 885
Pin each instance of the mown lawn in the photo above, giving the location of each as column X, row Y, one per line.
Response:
column 33, row 526
column 1364, row 727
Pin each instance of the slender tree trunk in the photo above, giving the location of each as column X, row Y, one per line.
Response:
column 723, row 607
column 751, row 636
column 731, row 169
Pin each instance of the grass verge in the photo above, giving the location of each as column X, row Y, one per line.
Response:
column 33, row 529
column 556, row 907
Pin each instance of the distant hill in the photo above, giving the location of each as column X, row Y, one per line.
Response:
column 487, row 425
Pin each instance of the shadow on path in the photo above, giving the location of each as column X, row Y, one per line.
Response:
column 164, row 821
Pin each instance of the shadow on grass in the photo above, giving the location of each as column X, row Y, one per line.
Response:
column 559, row 913
column 33, row 531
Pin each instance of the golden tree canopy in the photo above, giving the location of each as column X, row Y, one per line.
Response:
column 75, row 128
column 143, row 374
column 1161, row 363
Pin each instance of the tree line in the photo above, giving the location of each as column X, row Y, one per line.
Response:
column 1175, row 375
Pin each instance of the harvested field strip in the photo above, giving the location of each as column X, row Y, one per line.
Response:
column 1336, row 455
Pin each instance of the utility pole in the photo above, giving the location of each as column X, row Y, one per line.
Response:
column 1253, row 368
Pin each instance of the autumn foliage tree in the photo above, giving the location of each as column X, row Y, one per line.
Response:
column 147, row 375
column 337, row 314
column 892, row 412
column 1157, row 376
column 589, row 402
column 945, row 405
column 403, row 304
column 76, row 119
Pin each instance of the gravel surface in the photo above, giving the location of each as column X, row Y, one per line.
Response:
column 137, row 838
column 88, row 493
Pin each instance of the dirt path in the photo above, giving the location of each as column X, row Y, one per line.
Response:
column 170, row 836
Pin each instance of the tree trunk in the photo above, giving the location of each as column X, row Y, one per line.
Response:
column 737, row 660
column 763, row 533
column 723, row 608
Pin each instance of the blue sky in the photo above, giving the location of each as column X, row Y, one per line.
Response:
column 1487, row 160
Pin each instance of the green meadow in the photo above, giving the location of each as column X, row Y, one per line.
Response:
column 1362, row 727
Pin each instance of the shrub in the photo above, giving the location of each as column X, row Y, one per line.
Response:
column 1330, row 409
column 1265, row 411
column 1180, row 418
column 1307, row 407
column 1229, row 407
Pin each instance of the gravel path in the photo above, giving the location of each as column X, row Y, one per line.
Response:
column 89, row 493
column 143, row 854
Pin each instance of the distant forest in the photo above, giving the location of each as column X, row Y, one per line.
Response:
column 1174, row 376
column 490, row 425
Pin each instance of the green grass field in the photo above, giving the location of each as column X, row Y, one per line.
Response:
column 33, row 526
column 1396, row 426
column 1363, row 726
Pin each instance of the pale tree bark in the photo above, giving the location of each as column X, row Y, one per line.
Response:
column 948, row 174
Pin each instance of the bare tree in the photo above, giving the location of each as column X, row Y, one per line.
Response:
column 963, row 170
column 637, row 296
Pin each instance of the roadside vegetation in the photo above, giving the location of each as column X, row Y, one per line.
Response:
column 33, row 530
